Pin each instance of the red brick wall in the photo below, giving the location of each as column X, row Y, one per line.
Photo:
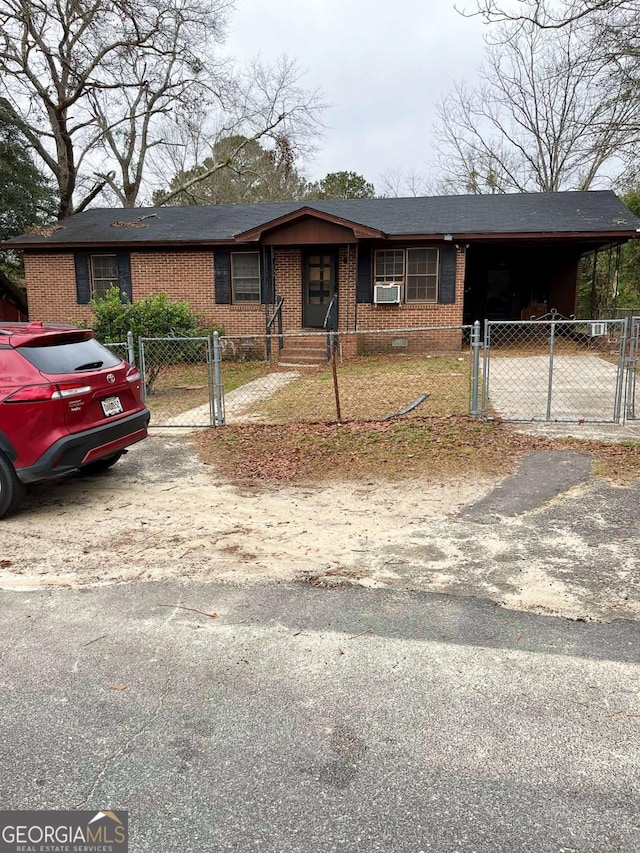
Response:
column 418, row 314
column 288, row 269
column 51, row 288
column 189, row 275
column 370, row 316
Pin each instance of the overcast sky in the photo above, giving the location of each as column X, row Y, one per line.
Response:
column 381, row 65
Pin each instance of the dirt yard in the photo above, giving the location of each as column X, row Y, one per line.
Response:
column 161, row 513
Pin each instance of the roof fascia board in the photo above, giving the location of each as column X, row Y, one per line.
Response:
column 517, row 235
column 360, row 231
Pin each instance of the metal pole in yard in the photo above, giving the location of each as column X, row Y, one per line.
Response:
column 552, row 342
column 131, row 352
column 475, row 368
column 335, row 383
column 219, row 417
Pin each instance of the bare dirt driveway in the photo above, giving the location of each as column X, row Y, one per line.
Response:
column 549, row 539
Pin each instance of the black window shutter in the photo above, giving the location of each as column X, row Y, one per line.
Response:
column 83, row 290
column 124, row 274
column 267, row 290
column 363, row 274
column 447, row 288
column 221, row 268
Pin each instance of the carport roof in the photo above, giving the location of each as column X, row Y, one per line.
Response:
column 575, row 214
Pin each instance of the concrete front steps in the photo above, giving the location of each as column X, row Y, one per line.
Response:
column 303, row 351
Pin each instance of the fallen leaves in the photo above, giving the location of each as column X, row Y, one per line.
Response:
column 432, row 449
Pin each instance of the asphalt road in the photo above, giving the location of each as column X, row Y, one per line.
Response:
column 309, row 719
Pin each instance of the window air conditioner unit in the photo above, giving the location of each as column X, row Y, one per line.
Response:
column 387, row 294
column 597, row 330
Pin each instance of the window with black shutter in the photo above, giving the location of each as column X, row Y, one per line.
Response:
column 97, row 272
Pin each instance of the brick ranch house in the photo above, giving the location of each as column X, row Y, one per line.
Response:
column 393, row 263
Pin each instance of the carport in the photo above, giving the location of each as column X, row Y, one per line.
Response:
column 521, row 279
column 526, row 262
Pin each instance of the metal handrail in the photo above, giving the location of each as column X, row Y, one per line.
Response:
column 328, row 315
column 330, row 326
column 277, row 315
column 277, row 311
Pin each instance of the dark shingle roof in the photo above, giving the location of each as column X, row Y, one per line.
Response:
column 527, row 213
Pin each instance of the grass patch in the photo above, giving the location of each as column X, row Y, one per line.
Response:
column 372, row 387
column 431, row 450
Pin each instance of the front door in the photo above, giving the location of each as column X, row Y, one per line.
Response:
column 319, row 287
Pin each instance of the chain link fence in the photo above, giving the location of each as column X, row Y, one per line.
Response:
column 124, row 349
column 178, row 381
column 557, row 370
column 120, row 350
column 540, row 370
column 348, row 376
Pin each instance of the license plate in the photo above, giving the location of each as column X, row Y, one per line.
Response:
column 112, row 406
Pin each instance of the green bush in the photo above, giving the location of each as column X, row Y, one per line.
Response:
column 157, row 316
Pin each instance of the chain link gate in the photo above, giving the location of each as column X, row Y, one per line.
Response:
column 558, row 370
column 178, row 381
column 632, row 367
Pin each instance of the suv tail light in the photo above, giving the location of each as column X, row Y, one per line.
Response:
column 42, row 393
column 133, row 374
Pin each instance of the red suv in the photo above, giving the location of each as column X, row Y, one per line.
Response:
column 66, row 403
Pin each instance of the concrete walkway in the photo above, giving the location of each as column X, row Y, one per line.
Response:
column 237, row 404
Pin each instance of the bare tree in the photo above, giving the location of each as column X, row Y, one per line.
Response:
column 550, row 14
column 263, row 104
column 100, row 84
column 546, row 115
column 253, row 174
column 396, row 183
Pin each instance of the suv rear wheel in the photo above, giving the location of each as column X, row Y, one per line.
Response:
column 11, row 488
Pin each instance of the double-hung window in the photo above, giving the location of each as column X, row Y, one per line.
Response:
column 104, row 274
column 245, row 277
column 416, row 269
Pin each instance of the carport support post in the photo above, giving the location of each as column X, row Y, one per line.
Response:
column 475, row 368
column 219, row 412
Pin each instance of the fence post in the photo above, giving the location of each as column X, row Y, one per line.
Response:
column 143, row 369
column 630, row 393
column 475, row 368
column 131, row 353
column 486, row 368
column 617, row 406
column 219, row 411
column 212, row 405
column 552, row 346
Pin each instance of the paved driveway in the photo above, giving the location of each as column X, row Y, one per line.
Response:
column 583, row 388
column 281, row 670
column 305, row 720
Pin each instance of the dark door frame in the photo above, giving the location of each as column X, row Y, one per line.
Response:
column 313, row 314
